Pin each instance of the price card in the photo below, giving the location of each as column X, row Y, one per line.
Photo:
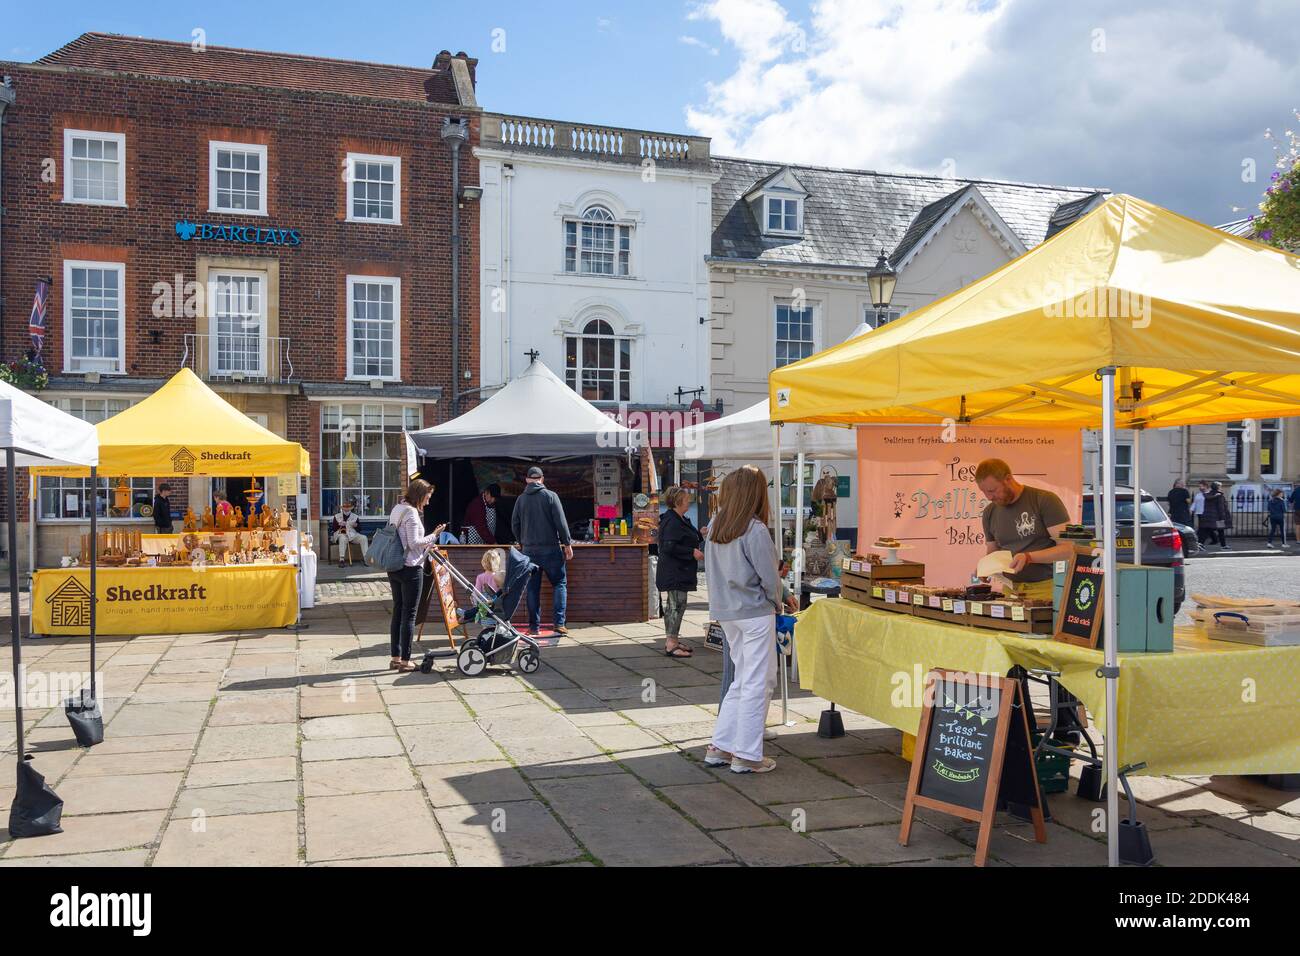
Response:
column 1017, row 613
column 1059, row 567
column 997, row 610
column 877, row 592
column 918, row 600
column 855, row 567
column 958, row 607
column 846, row 564
column 947, row 604
column 891, row 596
column 977, row 608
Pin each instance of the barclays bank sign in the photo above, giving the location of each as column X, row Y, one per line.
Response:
column 245, row 235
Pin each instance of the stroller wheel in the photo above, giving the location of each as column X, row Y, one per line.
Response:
column 529, row 661
column 426, row 664
column 471, row 661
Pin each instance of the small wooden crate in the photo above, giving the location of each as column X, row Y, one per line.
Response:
column 1037, row 620
column 948, row 610
column 900, row 605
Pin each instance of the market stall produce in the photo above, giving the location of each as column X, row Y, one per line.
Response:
column 1132, row 317
column 183, row 430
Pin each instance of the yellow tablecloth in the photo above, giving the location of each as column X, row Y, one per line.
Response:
column 177, row 600
column 1206, row 708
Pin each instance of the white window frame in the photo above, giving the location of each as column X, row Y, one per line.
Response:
column 869, row 314
column 396, row 283
column 1124, row 469
column 214, row 350
column 624, row 232
column 1243, row 448
column 45, row 483
column 581, row 335
column 396, row 163
column 214, row 145
column 120, row 268
column 332, row 422
column 768, row 199
column 810, row 306
column 120, row 138
column 1274, row 471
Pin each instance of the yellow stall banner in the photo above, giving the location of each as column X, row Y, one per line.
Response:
column 176, row 600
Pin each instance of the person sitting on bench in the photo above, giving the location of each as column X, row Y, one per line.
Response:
column 345, row 531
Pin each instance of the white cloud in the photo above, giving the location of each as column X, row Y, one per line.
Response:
column 696, row 41
column 1013, row 89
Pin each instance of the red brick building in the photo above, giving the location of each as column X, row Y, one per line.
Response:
column 280, row 224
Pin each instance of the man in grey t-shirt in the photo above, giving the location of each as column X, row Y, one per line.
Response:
column 1027, row 522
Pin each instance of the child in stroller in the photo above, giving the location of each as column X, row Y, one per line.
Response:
column 498, row 639
column 488, row 584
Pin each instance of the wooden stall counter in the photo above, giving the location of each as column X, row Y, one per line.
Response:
column 608, row 583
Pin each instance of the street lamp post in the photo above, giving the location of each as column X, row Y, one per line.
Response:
column 881, row 281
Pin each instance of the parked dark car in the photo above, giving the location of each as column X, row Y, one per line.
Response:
column 1164, row 543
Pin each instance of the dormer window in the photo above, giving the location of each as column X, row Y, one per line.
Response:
column 776, row 201
column 783, row 215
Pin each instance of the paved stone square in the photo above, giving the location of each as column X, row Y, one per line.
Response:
column 282, row 749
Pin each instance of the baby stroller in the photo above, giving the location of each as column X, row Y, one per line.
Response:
column 498, row 640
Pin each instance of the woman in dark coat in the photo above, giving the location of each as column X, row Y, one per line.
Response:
column 1217, row 518
column 679, row 566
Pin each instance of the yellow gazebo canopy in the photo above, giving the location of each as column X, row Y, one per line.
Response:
column 186, row 429
column 1203, row 327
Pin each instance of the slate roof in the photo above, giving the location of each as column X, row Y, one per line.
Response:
column 1068, row 212
column 850, row 213
column 164, row 58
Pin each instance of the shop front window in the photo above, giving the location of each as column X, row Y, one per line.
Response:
column 362, row 456
column 71, row 498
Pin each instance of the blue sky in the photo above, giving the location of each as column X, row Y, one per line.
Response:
column 1164, row 99
column 602, row 62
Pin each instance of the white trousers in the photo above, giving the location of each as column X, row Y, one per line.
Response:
column 342, row 538
column 752, row 645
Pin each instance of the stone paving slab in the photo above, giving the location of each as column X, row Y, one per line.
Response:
column 369, row 825
column 773, row 846
column 623, row 824
column 255, row 839
column 522, row 833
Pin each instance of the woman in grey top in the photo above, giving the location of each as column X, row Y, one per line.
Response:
column 740, row 561
column 406, row 583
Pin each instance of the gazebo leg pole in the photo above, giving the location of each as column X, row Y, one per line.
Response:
column 1109, row 623
column 15, row 613
column 1137, row 496
column 94, row 562
column 776, row 485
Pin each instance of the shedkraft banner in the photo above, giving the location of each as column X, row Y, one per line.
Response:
column 165, row 600
column 918, row 485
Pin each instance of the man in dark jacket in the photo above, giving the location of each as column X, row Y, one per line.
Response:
column 543, row 535
column 162, row 509
column 678, row 568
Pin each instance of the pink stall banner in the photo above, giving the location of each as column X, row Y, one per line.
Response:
column 918, row 485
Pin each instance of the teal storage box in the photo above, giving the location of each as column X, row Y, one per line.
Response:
column 1145, row 601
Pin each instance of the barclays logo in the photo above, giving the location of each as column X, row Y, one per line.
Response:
column 247, row 235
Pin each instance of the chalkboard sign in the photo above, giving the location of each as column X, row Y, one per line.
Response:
column 436, row 573
column 1080, row 619
column 972, row 751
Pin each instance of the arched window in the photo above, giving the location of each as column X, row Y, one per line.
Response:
column 598, row 363
column 596, row 244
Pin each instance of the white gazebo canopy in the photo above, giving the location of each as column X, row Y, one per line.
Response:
column 746, row 435
column 41, row 434
column 534, row 416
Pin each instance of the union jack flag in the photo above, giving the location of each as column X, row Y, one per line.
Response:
column 36, row 325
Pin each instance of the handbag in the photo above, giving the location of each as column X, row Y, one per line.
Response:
column 386, row 552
